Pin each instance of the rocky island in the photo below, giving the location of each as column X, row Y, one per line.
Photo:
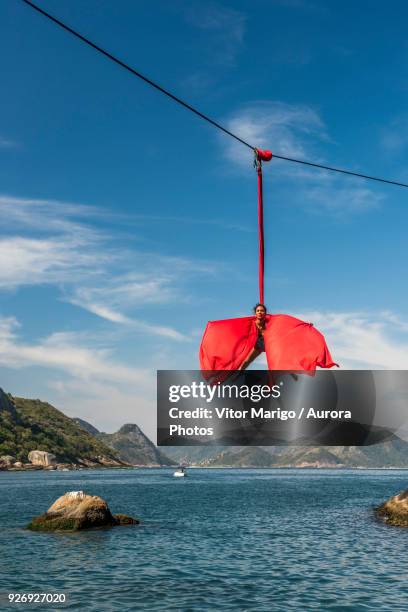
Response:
column 394, row 511
column 77, row 510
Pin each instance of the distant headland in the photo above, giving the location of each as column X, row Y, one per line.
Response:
column 35, row 435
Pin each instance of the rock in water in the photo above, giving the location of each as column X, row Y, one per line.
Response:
column 77, row 510
column 38, row 457
column 395, row 510
column 124, row 519
column 7, row 460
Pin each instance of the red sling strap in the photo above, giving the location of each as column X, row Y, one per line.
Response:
column 261, row 156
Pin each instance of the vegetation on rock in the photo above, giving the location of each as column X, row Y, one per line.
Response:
column 394, row 511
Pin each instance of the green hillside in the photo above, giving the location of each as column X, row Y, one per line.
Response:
column 27, row 425
column 248, row 456
column 299, row 456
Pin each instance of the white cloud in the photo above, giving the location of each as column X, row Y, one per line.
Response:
column 198, row 83
column 133, row 324
column 32, row 261
column 103, row 311
column 105, row 405
column 352, row 197
column 47, row 216
column 223, row 224
column 224, row 26
column 362, row 340
column 64, row 352
column 83, row 380
column 132, row 289
column 6, row 143
column 53, row 244
column 297, row 132
column 284, row 128
column 395, row 320
column 91, row 269
column 394, row 137
column 160, row 283
column 7, row 327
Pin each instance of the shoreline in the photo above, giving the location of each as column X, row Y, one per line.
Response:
column 200, row 467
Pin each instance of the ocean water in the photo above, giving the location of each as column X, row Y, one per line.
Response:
column 216, row 540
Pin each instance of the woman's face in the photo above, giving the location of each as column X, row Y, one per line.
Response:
column 260, row 313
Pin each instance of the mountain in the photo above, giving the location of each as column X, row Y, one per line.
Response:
column 319, row 456
column 392, row 452
column 30, row 424
column 195, row 455
column 134, row 447
column 87, row 426
column 248, row 456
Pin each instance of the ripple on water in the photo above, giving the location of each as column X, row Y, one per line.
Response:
column 218, row 540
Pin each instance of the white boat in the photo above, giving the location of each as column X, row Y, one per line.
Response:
column 180, row 472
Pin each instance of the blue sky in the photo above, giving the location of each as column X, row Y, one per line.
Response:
column 127, row 223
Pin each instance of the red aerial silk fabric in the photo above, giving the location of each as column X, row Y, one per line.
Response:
column 261, row 156
column 261, row 262
column 226, row 344
column 290, row 344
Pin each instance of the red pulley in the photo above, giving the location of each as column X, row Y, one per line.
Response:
column 264, row 155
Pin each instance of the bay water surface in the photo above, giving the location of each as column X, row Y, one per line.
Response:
column 220, row 539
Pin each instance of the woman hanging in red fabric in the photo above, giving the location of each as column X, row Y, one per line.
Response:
column 289, row 344
column 260, row 319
